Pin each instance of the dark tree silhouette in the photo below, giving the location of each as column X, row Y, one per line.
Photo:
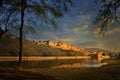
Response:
column 47, row 10
column 7, row 24
column 109, row 15
column 8, row 18
column 23, row 4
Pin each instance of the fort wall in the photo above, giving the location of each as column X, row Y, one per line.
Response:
column 64, row 46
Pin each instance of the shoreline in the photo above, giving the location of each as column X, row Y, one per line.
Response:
column 111, row 72
column 12, row 58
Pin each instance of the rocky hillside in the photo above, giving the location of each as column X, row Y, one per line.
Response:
column 9, row 46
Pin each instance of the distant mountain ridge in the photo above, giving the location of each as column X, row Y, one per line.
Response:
column 97, row 49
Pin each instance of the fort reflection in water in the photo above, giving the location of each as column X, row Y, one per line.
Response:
column 85, row 64
column 56, row 63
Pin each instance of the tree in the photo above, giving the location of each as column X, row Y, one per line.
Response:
column 23, row 4
column 8, row 18
column 47, row 10
column 109, row 15
column 8, row 23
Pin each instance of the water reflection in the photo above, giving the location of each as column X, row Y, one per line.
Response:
column 75, row 63
column 88, row 63
column 95, row 65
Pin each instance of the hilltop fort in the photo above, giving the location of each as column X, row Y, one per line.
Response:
column 61, row 45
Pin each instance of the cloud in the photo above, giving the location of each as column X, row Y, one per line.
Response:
column 97, row 30
column 102, row 45
column 117, row 29
column 112, row 31
column 64, row 37
column 86, row 32
column 85, row 19
column 88, row 44
column 111, row 42
column 85, row 27
column 76, row 27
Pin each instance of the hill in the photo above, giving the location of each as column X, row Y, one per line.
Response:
column 91, row 50
column 9, row 46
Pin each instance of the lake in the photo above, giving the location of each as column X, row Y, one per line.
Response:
column 54, row 63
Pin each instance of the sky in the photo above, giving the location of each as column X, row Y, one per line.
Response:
column 77, row 28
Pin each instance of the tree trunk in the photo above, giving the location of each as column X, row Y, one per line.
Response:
column 21, row 32
column 1, row 35
column 1, row 2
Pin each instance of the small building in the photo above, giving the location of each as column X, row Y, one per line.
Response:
column 102, row 56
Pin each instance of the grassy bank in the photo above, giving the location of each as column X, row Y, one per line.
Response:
column 108, row 72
